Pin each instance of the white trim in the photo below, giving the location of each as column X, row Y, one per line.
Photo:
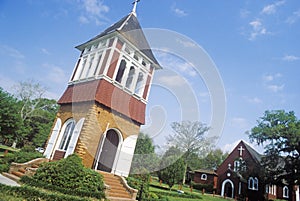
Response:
column 74, row 137
column 53, row 139
column 203, row 176
column 223, row 187
column 61, row 133
column 285, row 192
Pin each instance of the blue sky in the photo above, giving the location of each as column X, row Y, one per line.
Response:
column 254, row 45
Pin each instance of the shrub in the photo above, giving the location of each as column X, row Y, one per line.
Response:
column 68, row 176
column 208, row 187
column 32, row 194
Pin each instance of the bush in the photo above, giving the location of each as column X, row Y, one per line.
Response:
column 32, row 194
column 4, row 168
column 68, row 176
column 207, row 187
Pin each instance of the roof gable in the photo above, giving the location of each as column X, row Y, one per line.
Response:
column 130, row 28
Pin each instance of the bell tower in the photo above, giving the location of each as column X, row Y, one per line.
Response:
column 103, row 107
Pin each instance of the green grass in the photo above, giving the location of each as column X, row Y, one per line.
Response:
column 158, row 188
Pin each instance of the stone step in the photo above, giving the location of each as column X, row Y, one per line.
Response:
column 119, row 199
column 22, row 170
column 17, row 173
column 11, row 176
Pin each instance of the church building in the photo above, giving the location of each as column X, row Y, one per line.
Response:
column 239, row 176
column 104, row 104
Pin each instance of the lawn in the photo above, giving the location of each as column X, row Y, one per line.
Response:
column 173, row 195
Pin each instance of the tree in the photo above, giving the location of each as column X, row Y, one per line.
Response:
column 189, row 138
column 37, row 113
column 213, row 159
column 172, row 168
column 144, row 160
column 279, row 132
column 10, row 120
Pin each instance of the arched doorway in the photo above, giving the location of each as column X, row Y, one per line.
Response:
column 108, row 151
column 227, row 188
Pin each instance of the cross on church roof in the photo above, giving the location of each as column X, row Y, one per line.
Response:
column 241, row 149
column 134, row 6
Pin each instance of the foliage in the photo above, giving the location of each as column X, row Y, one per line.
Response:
column 69, row 174
column 189, row 137
column 213, row 159
column 24, row 155
column 144, row 159
column 26, row 120
column 207, row 187
column 10, row 120
column 33, row 194
column 172, row 168
column 141, row 183
column 279, row 132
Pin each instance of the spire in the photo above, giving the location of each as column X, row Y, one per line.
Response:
column 134, row 7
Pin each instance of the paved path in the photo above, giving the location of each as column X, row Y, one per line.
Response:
column 7, row 181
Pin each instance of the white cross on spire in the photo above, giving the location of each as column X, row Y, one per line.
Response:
column 241, row 149
column 134, row 6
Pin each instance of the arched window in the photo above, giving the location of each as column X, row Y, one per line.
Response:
column 204, row 177
column 237, row 165
column 139, row 84
column 253, row 183
column 285, row 192
column 121, row 71
column 130, row 77
column 70, row 124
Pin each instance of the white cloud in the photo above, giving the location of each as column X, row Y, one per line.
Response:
column 172, row 81
column 230, row 146
column 186, row 43
column 272, row 8
column 178, row 12
column 45, row 51
column 244, row 13
column 7, row 83
column 268, row 78
column 93, row 11
column 290, row 58
column 254, row 100
column 294, row 17
column 257, row 29
column 275, row 88
column 239, row 122
column 12, row 52
column 173, row 62
column 55, row 74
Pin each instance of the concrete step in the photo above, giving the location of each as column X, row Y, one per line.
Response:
column 17, row 173
column 119, row 199
column 11, row 176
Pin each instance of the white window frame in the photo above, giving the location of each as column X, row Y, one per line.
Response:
column 285, row 192
column 253, row 183
column 203, row 176
column 62, row 133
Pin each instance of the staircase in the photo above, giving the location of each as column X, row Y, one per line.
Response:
column 17, row 170
column 117, row 188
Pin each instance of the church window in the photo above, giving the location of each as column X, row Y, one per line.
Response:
column 139, row 84
column 82, row 67
column 121, row 71
column 237, row 165
column 98, row 62
column 135, row 57
column 253, row 183
column 204, row 177
column 87, row 74
column 68, row 131
column 285, row 192
column 130, row 77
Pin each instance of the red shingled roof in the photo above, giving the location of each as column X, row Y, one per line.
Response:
column 107, row 94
